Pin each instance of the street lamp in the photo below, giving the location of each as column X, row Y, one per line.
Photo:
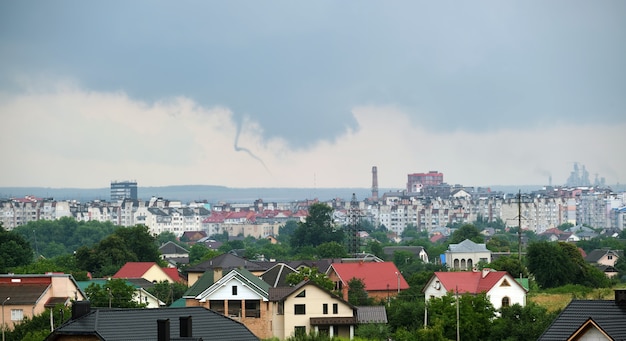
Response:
column 398, row 274
column 3, row 302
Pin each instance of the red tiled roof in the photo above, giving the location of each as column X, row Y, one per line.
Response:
column 375, row 275
column 470, row 281
column 173, row 273
column 134, row 269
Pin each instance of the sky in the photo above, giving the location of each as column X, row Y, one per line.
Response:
column 311, row 94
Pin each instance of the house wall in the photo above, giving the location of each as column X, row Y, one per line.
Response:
column 475, row 257
column 514, row 292
column 155, row 273
column 314, row 300
column 593, row 334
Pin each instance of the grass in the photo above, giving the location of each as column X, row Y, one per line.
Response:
column 556, row 299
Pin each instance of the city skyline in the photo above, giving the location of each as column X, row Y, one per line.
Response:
column 311, row 95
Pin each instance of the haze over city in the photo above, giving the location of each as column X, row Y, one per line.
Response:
column 282, row 94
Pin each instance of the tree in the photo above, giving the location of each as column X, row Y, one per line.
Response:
column 357, row 295
column 313, row 275
column 331, row 250
column 318, row 228
column 139, row 241
column 168, row 292
column 285, row 231
column 14, row 250
column 476, row 314
column 521, row 323
column 115, row 293
column 510, row 264
column 467, row 231
column 558, row 264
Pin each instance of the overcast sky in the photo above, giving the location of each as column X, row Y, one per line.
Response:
column 310, row 94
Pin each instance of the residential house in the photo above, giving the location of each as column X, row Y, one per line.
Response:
column 276, row 276
column 382, row 280
column 466, row 254
column 25, row 296
column 590, row 320
column 150, row 271
column 605, row 260
column 174, row 254
column 499, row 286
column 418, row 252
column 239, row 295
column 308, row 308
column 193, row 236
column 141, row 295
column 189, row 323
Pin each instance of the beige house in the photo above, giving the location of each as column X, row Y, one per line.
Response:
column 308, row 308
column 25, row 296
column 149, row 271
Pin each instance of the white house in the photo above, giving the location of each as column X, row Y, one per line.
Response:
column 500, row 287
column 466, row 254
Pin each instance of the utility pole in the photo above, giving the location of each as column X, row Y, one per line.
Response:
column 519, row 226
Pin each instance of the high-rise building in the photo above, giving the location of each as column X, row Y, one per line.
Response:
column 417, row 181
column 121, row 190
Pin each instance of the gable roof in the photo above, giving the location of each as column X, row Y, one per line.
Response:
column 472, row 282
column 204, row 282
column 172, row 248
column 597, row 254
column 606, row 314
column 242, row 275
column 172, row 273
column 141, row 324
column 375, row 275
column 27, row 289
column 371, row 314
column 134, row 269
column 276, row 276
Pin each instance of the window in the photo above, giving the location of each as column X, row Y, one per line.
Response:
column 335, row 308
column 281, row 307
column 299, row 309
column 234, row 289
column 302, row 294
column 325, row 309
column 17, row 314
column 506, row 301
column 299, row 330
column 505, row 283
column 609, row 257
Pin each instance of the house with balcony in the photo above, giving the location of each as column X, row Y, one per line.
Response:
column 308, row 308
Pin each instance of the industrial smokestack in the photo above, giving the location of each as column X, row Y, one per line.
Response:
column 374, row 184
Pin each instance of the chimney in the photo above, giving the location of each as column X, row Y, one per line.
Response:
column 80, row 309
column 163, row 330
column 486, row 271
column 185, row 326
column 375, row 184
column 620, row 297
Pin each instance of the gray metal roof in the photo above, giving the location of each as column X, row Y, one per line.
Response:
column 467, row 246
column 141, row 324
column 371, row 314
column 605, row 313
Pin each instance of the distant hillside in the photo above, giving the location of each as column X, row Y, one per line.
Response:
column 189, row 193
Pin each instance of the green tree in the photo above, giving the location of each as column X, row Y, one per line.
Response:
column 285, row 231
column 558, row 264
column 467, row 231
column 14, row 250
column 476, row 314
column 139, row 241
column 167, row 292
column 331, row 250
column 318, row 228
column 115, row 293
column 510, row 264
column 167, row 236
column 521, row 323
column 357, row 295
column 313, row 275
column 373, row 331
